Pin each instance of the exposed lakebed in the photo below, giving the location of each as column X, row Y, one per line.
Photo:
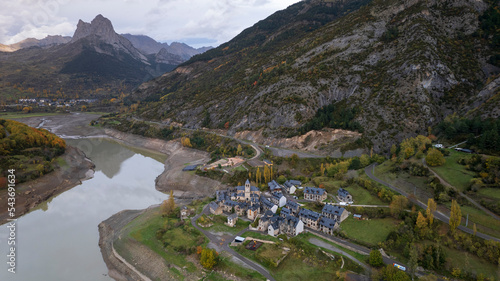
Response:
column 59, row 239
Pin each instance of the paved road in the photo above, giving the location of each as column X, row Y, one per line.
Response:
column 438, row 215
column 225, row 246
column 277, row 151
column 353, row 247
column 479, row 206
column 323, row 244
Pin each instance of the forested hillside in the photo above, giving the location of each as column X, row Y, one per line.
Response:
column 31, row 152
column 390, row 69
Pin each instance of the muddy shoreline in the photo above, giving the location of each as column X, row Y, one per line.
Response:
column 185, row 186
column 30, row 194
column 109, row 230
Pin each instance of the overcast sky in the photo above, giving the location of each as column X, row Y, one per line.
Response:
column 195, row 22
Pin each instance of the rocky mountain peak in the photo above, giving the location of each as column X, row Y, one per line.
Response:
column 100, row 30
column 99, row 26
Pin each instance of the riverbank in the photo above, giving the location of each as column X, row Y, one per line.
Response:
column 77, row 168
column 109, row 231
column 185, row 185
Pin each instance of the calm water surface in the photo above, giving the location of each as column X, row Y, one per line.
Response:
column 59, row 240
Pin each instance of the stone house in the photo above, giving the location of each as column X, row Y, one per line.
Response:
column 328, row 226
column 291, row 226
column 215, row 208
column 231, row 220
column 309, row 218
column 344, row 196
column 278, row 199
column 334, row 212
column 314, row 194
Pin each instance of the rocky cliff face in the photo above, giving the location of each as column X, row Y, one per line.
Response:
column 95, row 58
column 404, row 64
column 100, row 30
column 164, row 56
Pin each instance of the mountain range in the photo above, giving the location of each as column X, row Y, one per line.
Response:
column 95, row 59
column 386, row 68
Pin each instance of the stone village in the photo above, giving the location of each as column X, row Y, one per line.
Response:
column 247, row 201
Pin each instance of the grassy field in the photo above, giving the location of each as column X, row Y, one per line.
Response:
column 175, row 237
column 313, row 206
column 304, row 262
column 378, row 229
column 219, row 225
column 229, row 267
column 239, row 168
column 493, row 193
column 305, row 237
column 362, row 196
column 470, row 263
column 260, row 236
column 15, row 115
column 404, row 181
column 329, row 184
column 454, row 173
column 266, row 252
column 484, row 222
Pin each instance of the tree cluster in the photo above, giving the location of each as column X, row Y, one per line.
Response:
column 333, row 116
column 484, row 135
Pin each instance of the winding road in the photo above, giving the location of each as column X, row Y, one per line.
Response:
column 479, row 206
column 225, row 246
column 438, row 215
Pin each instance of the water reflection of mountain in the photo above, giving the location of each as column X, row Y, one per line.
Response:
column 106, row 155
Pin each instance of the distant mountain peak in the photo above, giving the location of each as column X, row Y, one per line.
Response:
column 99, row 26
column 100, row 30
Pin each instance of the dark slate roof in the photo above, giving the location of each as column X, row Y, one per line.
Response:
column 285, row 211
column 314, row 190
column 273, row 185
column 232, row 217
column 220, row 195
column 242, row 188
column 292, row 205
column 277, row 195
column 295, row 182
column 268, row 162
column 190, row 167
column 247, row 182
column 332, row 209
column 342, row 192
column 230, row 203
column 267, row 216
column 266, row 202
column 275, row 222
column 309, row 214
column 213, row 205
column 255, row 207
column 243, row 205
column 291, row 220
column 326, row 222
